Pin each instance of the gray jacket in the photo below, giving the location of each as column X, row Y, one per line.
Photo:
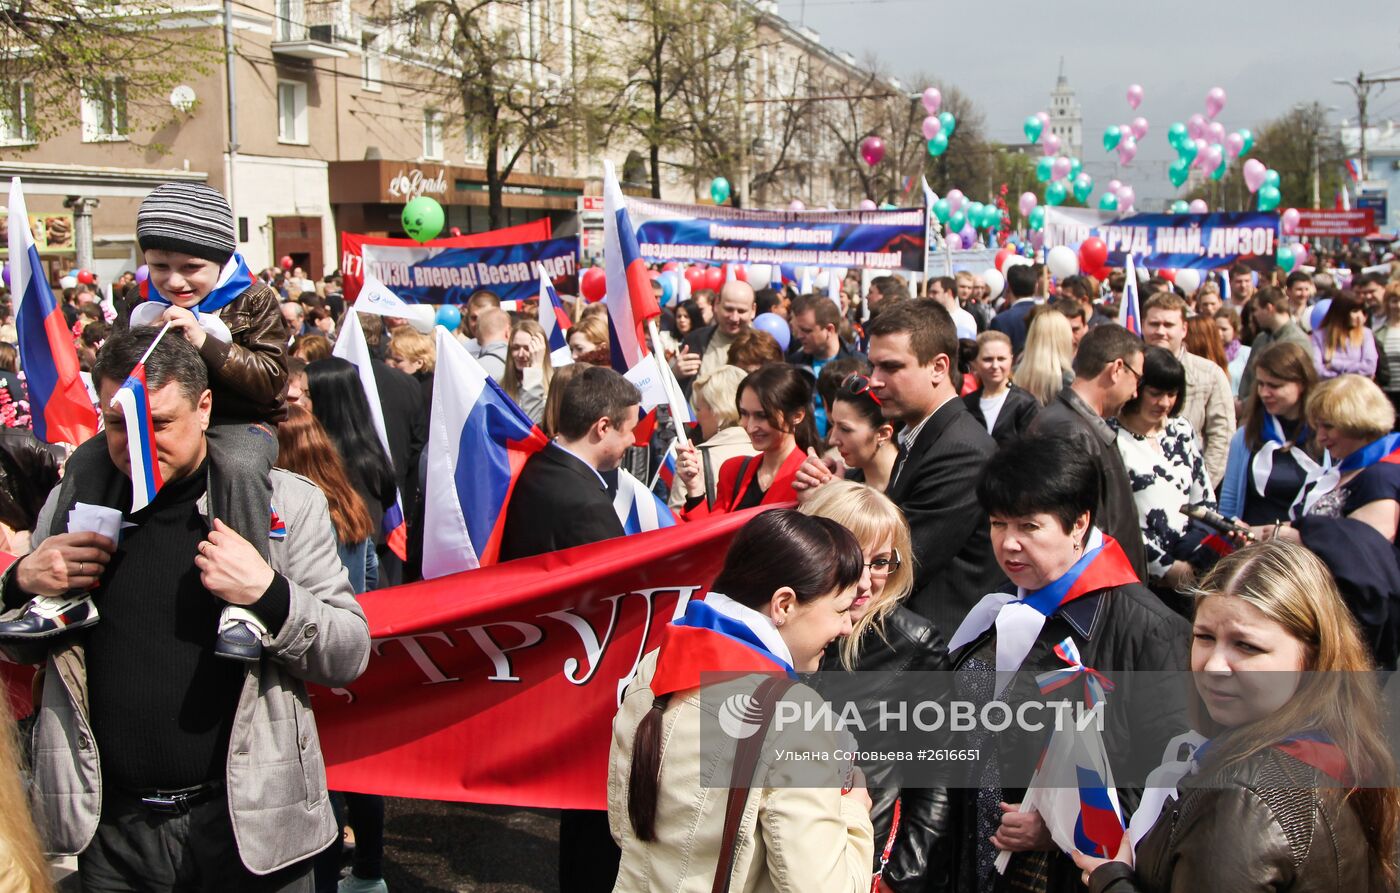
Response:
column 276, row 778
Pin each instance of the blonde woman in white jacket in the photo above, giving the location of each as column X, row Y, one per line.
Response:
column 783, row 595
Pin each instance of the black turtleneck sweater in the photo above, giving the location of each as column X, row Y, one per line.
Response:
column 161, row 703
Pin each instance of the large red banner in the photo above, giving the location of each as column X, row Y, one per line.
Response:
column 352, row 254
column 1341, row 224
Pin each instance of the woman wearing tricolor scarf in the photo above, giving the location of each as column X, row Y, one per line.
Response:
column 1077, row 598
column 1292, row 791
column 783, row 595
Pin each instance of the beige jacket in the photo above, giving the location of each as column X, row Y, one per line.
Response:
column 802, row 840
column 1210, row 408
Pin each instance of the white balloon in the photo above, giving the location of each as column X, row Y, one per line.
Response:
column 822, row 280
column 760, row 275
column 1016, row 260
column 1142, row 274
column 1062, row 262
column 1188, row 280
column 995, row 281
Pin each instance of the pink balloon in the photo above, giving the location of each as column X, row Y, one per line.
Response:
column 872, row 149
column 1201, row 146
column 1049, row 144
column 1289, row 220
column 1028, row 203
column 867, row 205
column 932, row 100
column 1126, row 197
column 1196, row 126
column 932, row 127
column 1215, row 132
column 955, row 200
column 1198, row 206
column 1215, row 101
column 1114, row 186
column 1135, row 96
column 1213, row 157
column 1127, row 150
column 1300, row 253
column 1234, row 145
column 1254, row 172
column 1038, row 239
column 1139, row 126
column 954, row 241
column 1044, row 118
column 1061, row 168
column 796, row 205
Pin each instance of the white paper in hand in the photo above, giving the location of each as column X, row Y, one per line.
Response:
column 85, row 518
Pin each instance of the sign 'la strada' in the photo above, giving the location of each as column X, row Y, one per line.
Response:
column 412, row 182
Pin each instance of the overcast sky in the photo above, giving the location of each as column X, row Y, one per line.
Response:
column 1005, row 54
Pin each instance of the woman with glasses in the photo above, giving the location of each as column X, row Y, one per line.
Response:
column 889, row 639
column 775, row 409
column 861, row 434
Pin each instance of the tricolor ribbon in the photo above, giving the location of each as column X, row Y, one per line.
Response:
column 1096, row 684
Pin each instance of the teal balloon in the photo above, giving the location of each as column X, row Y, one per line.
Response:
column 886, row 206
column 942, row 210
column 1179, row 171
column 1055, row 193
column 1083, row 188
column 1044, row 169
column 1271, row 178
column 1037, row 218
column 422, row 218
column 938, row 145
column 1075, row 166
column 1186, row 151
column 1111, row 136
column 719, row 190
column 1286, row 260
column 1108, row 202
column 949, row 123
column 1269, row 198
column 1248, row 136
column 991, row 217
column 956, row 221
column 973, row 212
column 1032, row 128
column 1181, row 206
column 1219, row 173
column 1177, row 134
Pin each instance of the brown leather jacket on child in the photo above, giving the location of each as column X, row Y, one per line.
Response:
column 249, row 376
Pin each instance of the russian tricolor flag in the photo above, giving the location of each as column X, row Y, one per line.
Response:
column 478, row 446
column 352, row 348
column 666, row 471
column 630, row 299
column 133, row 400
column 1132, row 314
column 555, row 322
column 1098, row 829
column 61, row 409
column 638, row 508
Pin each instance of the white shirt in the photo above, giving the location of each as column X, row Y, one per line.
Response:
column 991, row 407
column 964, row 323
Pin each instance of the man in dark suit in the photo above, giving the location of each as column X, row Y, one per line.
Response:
column 1014, row 321
column 561, row 500
column 942, row 449
column 1107, row 369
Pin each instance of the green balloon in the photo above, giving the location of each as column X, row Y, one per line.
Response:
column 1179, row 171
column 1248, row 139
column 1075, row 166
column 942, row 210
column 1176, row 134
column 887, row 206
column 1111, row 136
column 1219, row 173
column 1037, row 218
column 1269, row 198
column 1108, row 202
column 938, row 145
column 1186, row 151
column 1286, row 259
column 973, row 212
column 1044, row 169
column 949, row 123
column 422, row 218
column 1055, row 193
column 1271, row 178
column 1181, row 206
column 719, row 190
column 1032, row 128
column 991, row 217
column 956, row 221
column 1083, row 188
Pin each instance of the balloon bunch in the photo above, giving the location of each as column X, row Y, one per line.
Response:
column 962, row 219
column 1263, row 182
column 938, row 127
column 1202, row 142
column 1118, row 197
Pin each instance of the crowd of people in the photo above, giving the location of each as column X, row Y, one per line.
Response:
column 978, row 478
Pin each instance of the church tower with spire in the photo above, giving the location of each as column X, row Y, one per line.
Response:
column 1066, row 118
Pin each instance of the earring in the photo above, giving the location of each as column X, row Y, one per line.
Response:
column 778, row 622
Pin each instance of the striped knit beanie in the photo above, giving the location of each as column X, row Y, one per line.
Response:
column 189, row 218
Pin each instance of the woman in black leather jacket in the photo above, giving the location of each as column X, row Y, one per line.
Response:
column 887, row 642
column 1294, row 791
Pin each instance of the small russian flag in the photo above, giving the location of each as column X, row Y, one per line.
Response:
column 276, row 528
column 133, row 400
column 1354, row 169
column 556, row 325
column 666, row 471
column 639, row 509
column 1098, row 830
column 1132, row 314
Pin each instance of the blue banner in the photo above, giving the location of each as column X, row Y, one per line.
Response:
column 877, row 240
column 1171, row 241
column 422, row 275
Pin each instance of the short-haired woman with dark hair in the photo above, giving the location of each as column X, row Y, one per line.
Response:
column 861, row 433
column 1076, row 591
column 775, row 408
column 1165, row 469
column 783, row 595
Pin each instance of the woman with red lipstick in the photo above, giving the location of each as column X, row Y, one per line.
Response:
column 1293, row 790
column 775, row 404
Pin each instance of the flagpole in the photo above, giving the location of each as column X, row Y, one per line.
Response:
column 668, row 381
column 159, row 335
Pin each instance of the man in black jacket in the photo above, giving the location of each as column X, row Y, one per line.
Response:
column 1107, row 369
column 561, row 500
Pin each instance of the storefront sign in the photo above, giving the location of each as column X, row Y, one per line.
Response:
column 413, row 182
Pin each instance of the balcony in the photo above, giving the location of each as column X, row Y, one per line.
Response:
column 313, row 30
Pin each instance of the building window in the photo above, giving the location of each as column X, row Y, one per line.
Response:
column 370, row 62
column 291, row 20
column 432, row 135
column 291, row 112
column 17, row 114
column 476, row 146
column 104, row 110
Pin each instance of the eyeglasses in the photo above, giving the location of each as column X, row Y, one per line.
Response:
column 1136, row 374
column 881, row 567
column 857, row 384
